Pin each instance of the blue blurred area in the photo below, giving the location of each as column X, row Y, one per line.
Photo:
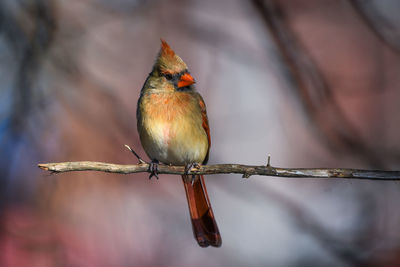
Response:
column 26, row 32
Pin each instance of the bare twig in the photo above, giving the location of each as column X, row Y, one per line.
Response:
column 245, row 170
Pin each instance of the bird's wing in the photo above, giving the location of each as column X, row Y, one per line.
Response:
column 205, row 125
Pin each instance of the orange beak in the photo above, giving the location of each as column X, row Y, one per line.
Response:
column 185, row 80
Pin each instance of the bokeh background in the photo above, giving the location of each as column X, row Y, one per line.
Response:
column 315, row 83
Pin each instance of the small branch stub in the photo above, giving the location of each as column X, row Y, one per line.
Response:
column 136, row 155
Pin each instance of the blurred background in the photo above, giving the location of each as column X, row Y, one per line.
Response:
column 314, row 83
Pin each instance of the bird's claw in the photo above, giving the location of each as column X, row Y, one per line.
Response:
column 153, row 168
column 189, row 167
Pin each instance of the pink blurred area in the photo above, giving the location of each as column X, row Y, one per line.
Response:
column 81, row 105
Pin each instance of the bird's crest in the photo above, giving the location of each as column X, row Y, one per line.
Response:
column 168, row 61
column 166, row 50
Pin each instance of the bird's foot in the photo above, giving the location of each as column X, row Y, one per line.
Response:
column 189, row 167
column 153, row 168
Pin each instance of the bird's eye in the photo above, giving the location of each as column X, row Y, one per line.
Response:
column 168, row 76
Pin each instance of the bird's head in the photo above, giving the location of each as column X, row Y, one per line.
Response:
column 170, row 68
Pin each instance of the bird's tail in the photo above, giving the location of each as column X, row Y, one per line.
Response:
column 205, row 228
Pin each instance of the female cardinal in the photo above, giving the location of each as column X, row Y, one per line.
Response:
column 173, row 128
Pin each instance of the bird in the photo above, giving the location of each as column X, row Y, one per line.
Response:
column 173, row 128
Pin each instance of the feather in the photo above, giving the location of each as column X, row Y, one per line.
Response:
column 205, row 228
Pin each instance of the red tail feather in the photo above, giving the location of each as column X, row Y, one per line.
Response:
column 205, row 228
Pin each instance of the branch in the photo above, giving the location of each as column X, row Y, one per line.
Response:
column 245, row 170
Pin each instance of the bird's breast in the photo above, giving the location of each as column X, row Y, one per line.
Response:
column 171, row 128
